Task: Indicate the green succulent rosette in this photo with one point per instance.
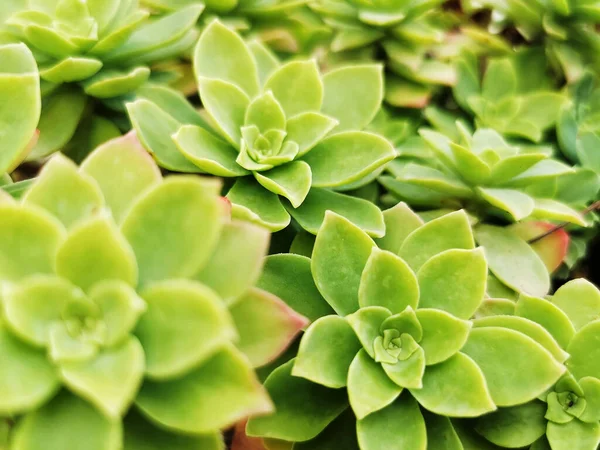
(284, 133)
(416, 40)
(128, 318)
(568, 414)
(19, 81)
(488, 176)
(514, 95)
(566, 28)
(92, 53)
(393, 353)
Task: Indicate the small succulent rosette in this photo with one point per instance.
(90, 52)
(397, 355)
(19, 80)
(284, 133)
(566, 29)
(490, 177)
(514, 96)
(128, 317)
(567, 415)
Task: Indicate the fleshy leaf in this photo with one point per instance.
(369, 387)
(27, 379)
(447, 232)
(514, 427)
(341, 245)
(180, 312)
(71, 69)
(443, 334)
(518, 204)
(114, 83)
(67, 422)
(34, 240)
(326, 351)
(142, 435)
(366, 323)
(223, 54)
(454, 281)
(591, 390)
(297, 86)
(529, 328)
(291, 180)
(110, 380)
(574, 434)
(120, 307)
(389, 282)
(407, 373)
(379, 431)
(400, 221)
(265, 113)
(112, 165)
(69, 195)
(308, 129)
(333, 437)
(362, 213)
(513, 261)
(154, 128)
(303, 408)
(289, 278)
(455, 388)
(208, 152)
(353, 95)
(547, 315)
(253, 203)
(19, 85)
(226, 104)
(580, 300)
(265, 325)
(96, 251)
(231, 276)
(584, 351)
(517, 369)
(174, 228)
(214, 395)
(31, 308)
(346, 157)
(440, 432)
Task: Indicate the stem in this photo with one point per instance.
(594, 206)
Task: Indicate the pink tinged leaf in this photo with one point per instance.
(266, 326)
(552, 249)
(243, 442)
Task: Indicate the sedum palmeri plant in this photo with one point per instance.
(128, 317)
(284, 132)
(91, 52)
(514, 96)
(485, 174)
(567, 416)
(19, 84)
(397, 355)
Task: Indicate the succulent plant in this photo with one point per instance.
(400, 337)
(278, 130)
(514, 96)
(485, 174)
(577, 129)
(566, 29)
(128, 317)
(286, 26)
(570, 411)
(19, 80)
(91, 50)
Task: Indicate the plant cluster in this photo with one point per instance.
(299, 225)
